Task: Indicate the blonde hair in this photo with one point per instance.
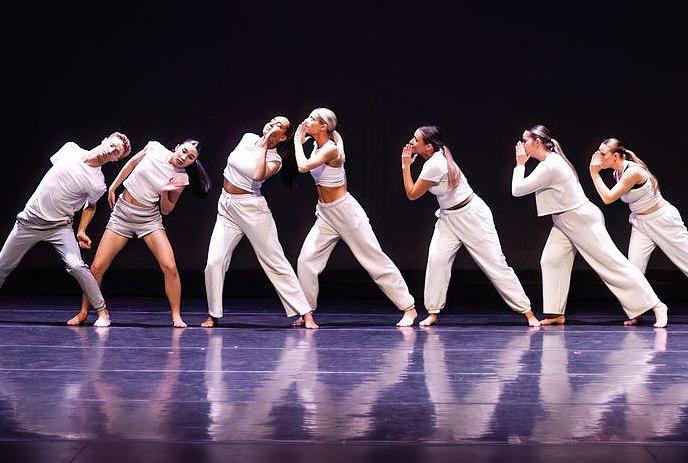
(328, 117)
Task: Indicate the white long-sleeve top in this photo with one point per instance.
(554, 183)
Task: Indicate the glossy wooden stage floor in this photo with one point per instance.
(480, 386)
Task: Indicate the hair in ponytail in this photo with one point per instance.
(328, 117)
(290, 169)
(198, 177)
(432, 135)
(541, 132)
(617, 147)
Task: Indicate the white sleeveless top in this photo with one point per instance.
(325, 175)
(641, 197)
(152, 173)
(554, 183)
(241, 163)
(435, 170)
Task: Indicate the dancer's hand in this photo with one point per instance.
(407, 156)
(521, 156)
(84, 240)
(300, 134)
(175, 184)
(596, 163)
(111, 197)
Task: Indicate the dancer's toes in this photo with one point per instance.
(431, 319)
(210, 322)
(298, 323)
(558, 320)
(309, 321)
(177, 322)
(532, 319)
(661, 315)
(78, 319)
(408, 318)
(633, 321)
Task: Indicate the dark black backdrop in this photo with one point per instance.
(482, 72)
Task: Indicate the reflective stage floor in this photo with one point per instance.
(480, 386)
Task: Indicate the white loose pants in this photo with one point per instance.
(582, 229)
(239, 215)
(663, 228)
(345, 219)
(473, 226)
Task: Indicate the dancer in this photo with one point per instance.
(655, 222)
(578, 226)
(74, 181)
(463, 218)
(243, 210)
(339, 216)
(154, 178)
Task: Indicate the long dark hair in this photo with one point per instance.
(432, 135)
(290, 169)
(542, 132)
(198, 177)
(618, 147)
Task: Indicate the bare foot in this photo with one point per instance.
(661, 316)
(558, 320)
(177, 322)
(408, 318)
(309, 321)
(431, 319)
(532, 320)
(633, 321)
(210, 322)
(298, 323)
(78, 319)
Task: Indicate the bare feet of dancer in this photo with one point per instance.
(556, 320)
(661, 316)
(177, 321)
(633, 321)
(210, 322)
(430, 320)
(532, 319)
(305, 321)
(78, 319)
(103, 320)
(408, 318)
(309, 321)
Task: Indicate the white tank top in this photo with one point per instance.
(241, 163)
(326, 175)
(641, 197)
(152, 173)
(435, 170)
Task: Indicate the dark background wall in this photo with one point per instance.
(483, 73)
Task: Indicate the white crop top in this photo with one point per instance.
(326, 175)
(554, 183)
(435, 170)
(641, 197)
(152, 173)
(241, 163)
